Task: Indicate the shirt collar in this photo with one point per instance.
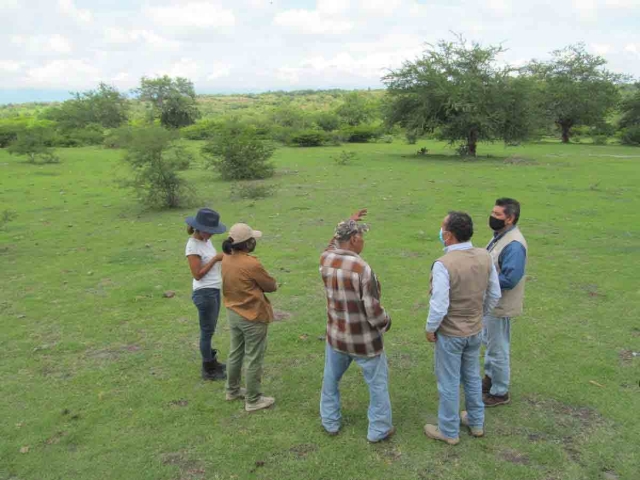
(458, 246)
(497, 235)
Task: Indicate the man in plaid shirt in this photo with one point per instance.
(356, 322)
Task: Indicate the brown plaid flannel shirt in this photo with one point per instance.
(355, 318)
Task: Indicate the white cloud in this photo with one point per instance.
(632, 48)
(379, 7)
(195, 15)
(8, 4)
(63, 73)
(10, 66)
(622, 3)
(220, 70)
(602, 48)
(311, 22)
(587, 9)
(78, 14)
(38, 44)
(59, 44)
(332, 7)
(500, 6)
(119, 36)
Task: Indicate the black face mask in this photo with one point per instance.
(496, 223)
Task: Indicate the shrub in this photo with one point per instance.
(9, 130)
(360, 133)
(252, 190)
(238, 153)
(6, 217)
(309, 138)
(201, 130)
(387, 139)
(345, 158)
(412, 137)
(631, 135)
(34, 143)
(600, 139)
(327, 121)
(156, 160)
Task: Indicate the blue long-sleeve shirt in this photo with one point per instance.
(439, 303)
(512, 261)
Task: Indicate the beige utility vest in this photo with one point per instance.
(469, 272)
(510, 304)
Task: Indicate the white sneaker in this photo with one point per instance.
(263, 402)
(237, 395)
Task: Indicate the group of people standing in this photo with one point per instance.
(475, 292)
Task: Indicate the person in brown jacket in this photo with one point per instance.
(244, 284)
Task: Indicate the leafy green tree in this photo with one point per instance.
(576, 88)
(357, 109)
(156, 160)
(238, 152)
(172, 100)
(34, 143)
(630, 109)
(105, 106)
(459, 92)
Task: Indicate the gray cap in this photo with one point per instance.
(345, 230)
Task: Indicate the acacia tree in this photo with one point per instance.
(576, 88)
(34, 142)
(105, 106)
(156, 159)
(458, 91)
(172, 100)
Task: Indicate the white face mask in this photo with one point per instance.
(441, 237)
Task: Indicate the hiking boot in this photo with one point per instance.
(495, 400)
(486, 384)
(239, 394)
(464, 421)
(330, 433)
(210, 372)
(263, 402)
(434, 432)
(388, 435)
(218, 366)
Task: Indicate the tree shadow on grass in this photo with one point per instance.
(441, 157)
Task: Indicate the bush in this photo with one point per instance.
(155, 159)
(9, 130)
(309, 138)
(34, 143)
(202, 130)
(238, 153)
(345, 158)
(282, 134)
(360, 133)
(327, 121)
(412, 137)
(6, 217)
(631, 136)
(252, 190)
(387, 139)
(92, 134)
(600, 139)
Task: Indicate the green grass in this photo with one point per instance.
(99, 375)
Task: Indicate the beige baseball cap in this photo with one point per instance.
(241, 232)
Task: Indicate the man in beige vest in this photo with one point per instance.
(464, 285)
(508, 249)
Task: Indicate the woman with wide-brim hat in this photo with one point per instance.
(245, 282)
(205, 265)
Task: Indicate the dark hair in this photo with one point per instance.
(247, 246)
(190, 230)
(511, 208)
(460, 225)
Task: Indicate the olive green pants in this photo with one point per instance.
(248, 343)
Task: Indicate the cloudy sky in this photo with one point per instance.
(49, 47)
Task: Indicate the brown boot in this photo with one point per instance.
(495, 400)
(486, 384)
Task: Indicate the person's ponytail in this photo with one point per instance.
(227, 246)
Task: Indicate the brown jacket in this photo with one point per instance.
(244, 284)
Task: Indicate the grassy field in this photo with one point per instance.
(99, 377)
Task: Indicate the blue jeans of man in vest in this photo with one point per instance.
(496, 336)
(376, 374)
(458, 361)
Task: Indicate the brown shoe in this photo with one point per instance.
(495, 400)
(464, 421)
(486, 384)
(389, 434)
(434, 432)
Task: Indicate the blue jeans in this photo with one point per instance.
(496, 336)
(376, 374)
(207, 301)
(458, 361)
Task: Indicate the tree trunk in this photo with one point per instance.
(472, 142)
(565, 127)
